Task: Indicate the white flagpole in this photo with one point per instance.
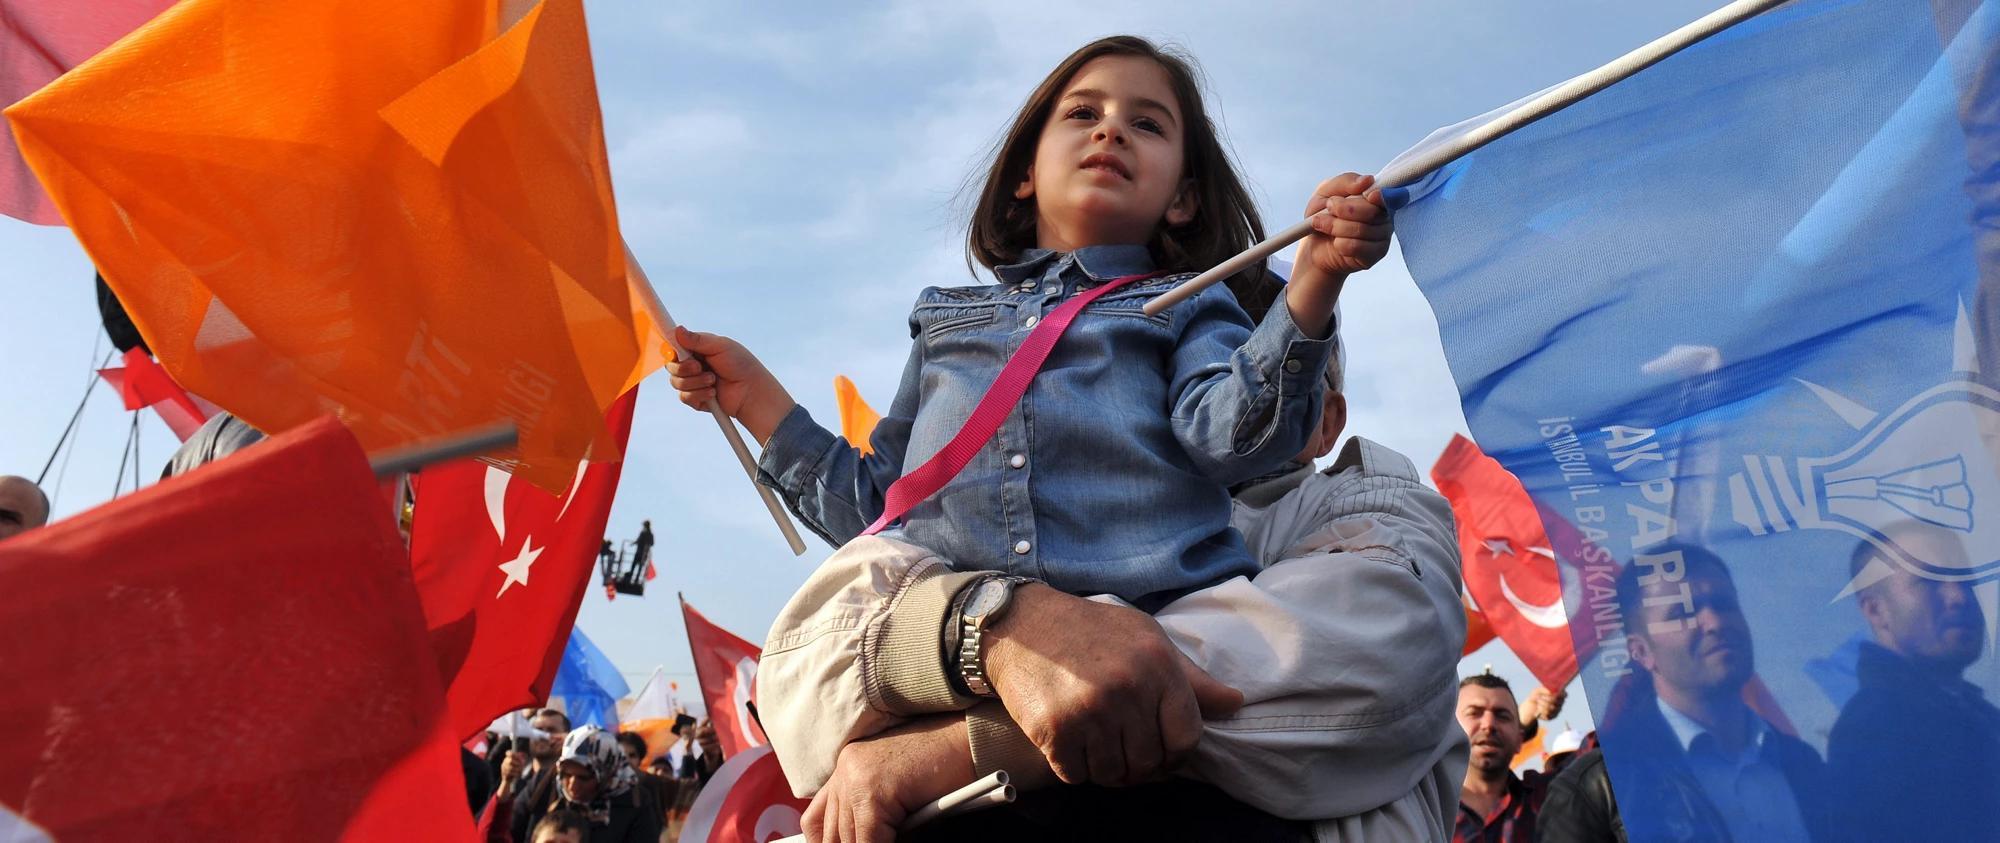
(658, 309)
(1407, 170)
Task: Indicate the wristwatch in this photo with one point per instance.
(985, 602)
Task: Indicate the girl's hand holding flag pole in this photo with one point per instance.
(668, 328)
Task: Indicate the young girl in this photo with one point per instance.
(1111, 475)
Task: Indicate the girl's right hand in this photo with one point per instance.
(721, 369)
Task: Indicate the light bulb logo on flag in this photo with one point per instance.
(1912, 485)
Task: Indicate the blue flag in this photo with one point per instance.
(1735, 324)
(588, 683)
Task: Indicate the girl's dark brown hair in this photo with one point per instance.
(1225, 220)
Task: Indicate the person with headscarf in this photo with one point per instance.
(593, 778)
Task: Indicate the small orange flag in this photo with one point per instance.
(1477, 632)
(400, 213)
(857, 419)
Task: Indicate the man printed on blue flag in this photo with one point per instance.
(1932, 774)
(1747, 302)
(1692, 758)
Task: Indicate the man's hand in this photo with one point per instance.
(1543, 704)
(1099, 688)
(510, 773)
(878, 782)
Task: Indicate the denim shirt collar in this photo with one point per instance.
(1100, 263)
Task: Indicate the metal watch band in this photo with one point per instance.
(972, 640)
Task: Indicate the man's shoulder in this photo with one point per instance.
(1369, 458)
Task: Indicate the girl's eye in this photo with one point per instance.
(1082, 112)
(1148, 124)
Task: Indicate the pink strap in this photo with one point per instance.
(1000, 398)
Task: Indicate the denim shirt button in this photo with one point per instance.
(1293, 366)
(1033, 319)
(1027, 285)
(1021, 546)
(1018, 461)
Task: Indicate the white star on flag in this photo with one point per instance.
(1499, 546)
(517, 568)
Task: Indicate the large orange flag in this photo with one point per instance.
(400, 213)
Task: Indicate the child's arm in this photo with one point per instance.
(825, 481)
(1245, 401)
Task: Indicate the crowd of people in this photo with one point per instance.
(1697, 759)
(588, 784)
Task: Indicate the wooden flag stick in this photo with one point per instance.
(658, 309)
(1408, 168)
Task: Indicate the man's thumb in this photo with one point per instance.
(1215, 699)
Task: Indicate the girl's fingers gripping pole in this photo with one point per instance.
(658, 309)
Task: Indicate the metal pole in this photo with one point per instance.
(478, 440)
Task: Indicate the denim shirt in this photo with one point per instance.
(1112, 475)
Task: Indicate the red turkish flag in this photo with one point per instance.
(502, 567)
(727, 667)
(232, 654)
(748, 801)
(1510, 569)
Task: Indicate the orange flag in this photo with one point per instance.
(1478, 633)
(857, 419)
(397, 212)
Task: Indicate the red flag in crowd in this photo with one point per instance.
(1510, 569)
(142, 383)
(748, 801)
(256, 622)
(727, 667)
(502, 567)
(39, 42)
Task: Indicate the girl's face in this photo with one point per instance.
(1108, 169)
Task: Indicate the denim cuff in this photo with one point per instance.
(793, 454)
(1283, 352)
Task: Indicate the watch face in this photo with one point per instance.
(986, 597)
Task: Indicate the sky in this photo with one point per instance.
(792, 174)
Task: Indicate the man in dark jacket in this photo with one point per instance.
(1580, 807)
(1916, 752)
(1691, 760)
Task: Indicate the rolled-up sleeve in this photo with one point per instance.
(1244, 401)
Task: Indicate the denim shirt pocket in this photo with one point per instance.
(938, 320)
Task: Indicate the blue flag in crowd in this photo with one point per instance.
(1735, 324)
(588, 683)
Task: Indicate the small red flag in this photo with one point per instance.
(727, 666)
(142, 383)
(1510, 569)
(748, 801)
(232, 654)
(502, 567)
